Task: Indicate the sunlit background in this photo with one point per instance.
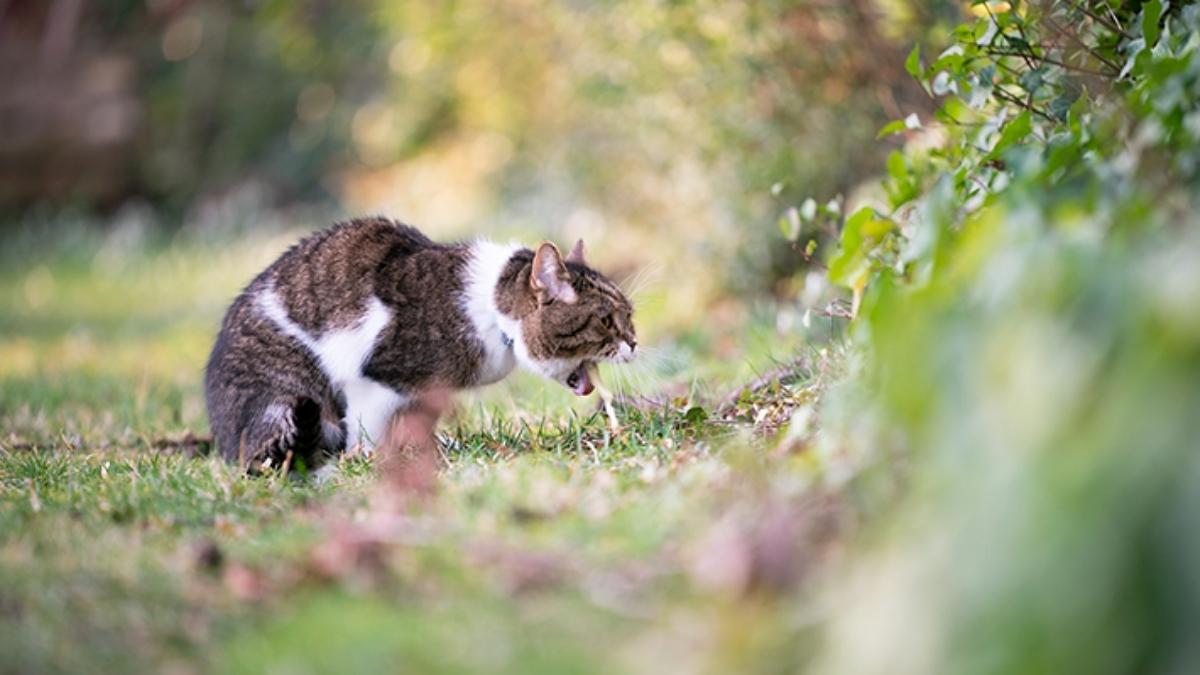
(921, 334)
(671, 137)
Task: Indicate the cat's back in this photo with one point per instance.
(340, 254)
(325, 279)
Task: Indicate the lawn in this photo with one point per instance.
(551, 544)
(943, 421)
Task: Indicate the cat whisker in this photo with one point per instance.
(645, 278)
(644, 385)
(652, 359)
(636, 280)
(638, 379)
(622, 381)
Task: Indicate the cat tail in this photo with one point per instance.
(308, 431)
(290, 434)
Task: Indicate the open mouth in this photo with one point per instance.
(579, 381)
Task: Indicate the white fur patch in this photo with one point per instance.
(488, 261)
(624, 353)
(369, 407)
(342, 353)
(269, 304)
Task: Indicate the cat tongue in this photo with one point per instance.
(583, 381)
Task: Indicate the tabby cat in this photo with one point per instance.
(351, 324)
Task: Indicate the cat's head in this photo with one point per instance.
(574, 317)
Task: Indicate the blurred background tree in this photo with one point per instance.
(634, 123)
(170, 100)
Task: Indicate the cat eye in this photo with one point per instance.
(607, 321)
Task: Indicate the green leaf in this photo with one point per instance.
(985, 32)
(950, 60)
(953, 111)
(896, 166)
(893, 127)
(896, 126)
(1031, 80)
(849, 255)
(913, 63)
(877, 227)
(1151, 12)
(1135, 48)
(1061, 105)
(1014, 132)
(852, 267)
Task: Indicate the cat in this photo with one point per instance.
(350, 325)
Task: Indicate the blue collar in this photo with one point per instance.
(508, 342)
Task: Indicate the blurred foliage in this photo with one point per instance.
(1004, 457)
(1026, 295)
(668, 120)
(248, 90)
(170, 100)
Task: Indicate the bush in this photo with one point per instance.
(1027, 302)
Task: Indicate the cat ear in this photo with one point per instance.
(576, 254)
(550, 278)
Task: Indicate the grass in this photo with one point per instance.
(551, 545)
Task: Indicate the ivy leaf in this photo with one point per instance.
(896, 166)
(896, 126)
(913, 63)
(893, 127)
(1151, 12)
(850, 253)
(1031, 80)
(877, 227)
(951, 59)
(1062, 104)
(1135, 48)
(953, 111)
(853, 267)
(985, 32)
(1014, 132)
(1018, 44)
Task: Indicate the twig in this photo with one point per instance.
(808, 258)
(1116, 28)
(1113, 15)
(1006, 96)
(1075, 38)
(799, 364)
(1024, 37)
(982, 185)
(834, 313)
(1047, 59)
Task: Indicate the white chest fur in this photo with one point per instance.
(342, 354)
(488, 261)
